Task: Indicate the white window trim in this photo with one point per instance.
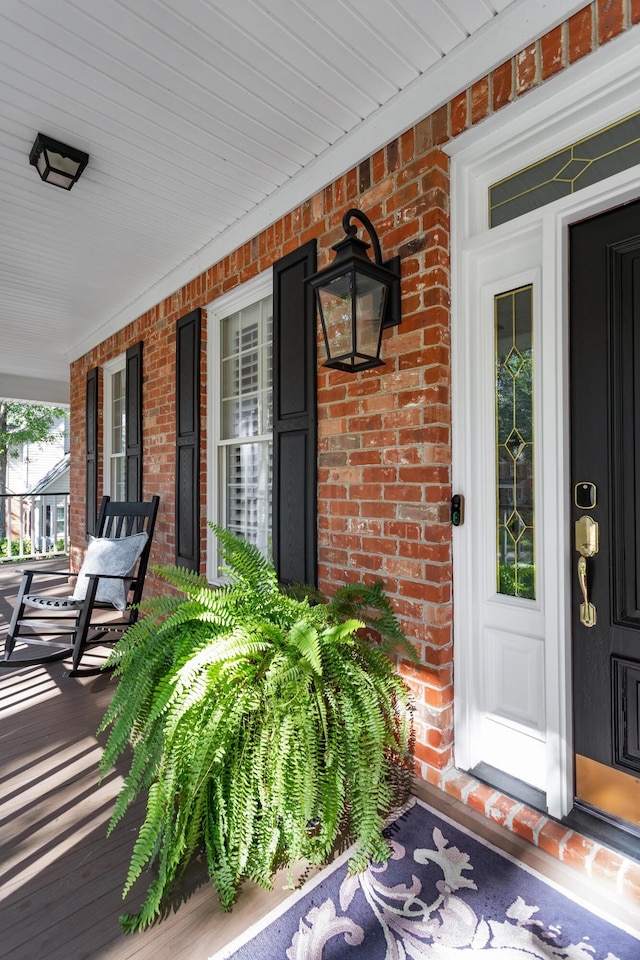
(108, 370)
(243, 296)
(581, 100)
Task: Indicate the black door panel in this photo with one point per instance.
(605, 448)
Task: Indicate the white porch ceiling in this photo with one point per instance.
(204, 120)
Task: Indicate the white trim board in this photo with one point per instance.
(582, 100)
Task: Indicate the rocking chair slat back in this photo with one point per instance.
(82, 623)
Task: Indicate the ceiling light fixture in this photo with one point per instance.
(56, 162)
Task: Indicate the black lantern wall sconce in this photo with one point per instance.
(57, 163)
(357, 298)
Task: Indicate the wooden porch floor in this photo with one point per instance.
(61, 877)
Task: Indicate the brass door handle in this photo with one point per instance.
(587, 545)
(587, 536)
(587, 609)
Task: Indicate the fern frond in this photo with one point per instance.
(249, 713)
(147, 837)
(304, 637)
(188, 581)
(352, 599)
(244, 563)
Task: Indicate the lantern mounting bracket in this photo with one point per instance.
(392, 316)
(351, 230)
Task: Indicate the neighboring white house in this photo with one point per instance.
(36, 460)
(50, 508)
(38, 487)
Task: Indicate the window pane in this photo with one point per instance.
(240, 417)
(247, 371)
(246, 411)
(118, 412)
(513, 312)
(266, 392)
(118, 480)
(248, 492)
(115, 436)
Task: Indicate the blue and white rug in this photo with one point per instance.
(444, 895)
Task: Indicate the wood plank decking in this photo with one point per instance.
(60, 876)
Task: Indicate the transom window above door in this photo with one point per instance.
(594, 158)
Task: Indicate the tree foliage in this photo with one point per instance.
(263, 726)
(26, 423)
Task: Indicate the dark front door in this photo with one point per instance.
(605, 490)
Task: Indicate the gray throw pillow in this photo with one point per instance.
(116, 557)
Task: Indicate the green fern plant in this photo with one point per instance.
(263, 726)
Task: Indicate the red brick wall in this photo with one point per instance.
(384, 436)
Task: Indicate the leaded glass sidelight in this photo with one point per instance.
(513, 312)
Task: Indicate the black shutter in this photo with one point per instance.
(91, 452)
(134, 422)
(188, 441)
(294, 418)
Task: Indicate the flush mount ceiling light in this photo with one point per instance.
(357, 298)
(56, 162)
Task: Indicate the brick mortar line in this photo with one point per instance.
(539, 827)
(562, 846)
(588, 864)
(512, 814)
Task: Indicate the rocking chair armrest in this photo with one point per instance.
(108, 576)
(47, 573)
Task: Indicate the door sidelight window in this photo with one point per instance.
(513, 313)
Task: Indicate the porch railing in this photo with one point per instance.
(33, 525)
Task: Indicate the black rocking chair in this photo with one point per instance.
(110, 580)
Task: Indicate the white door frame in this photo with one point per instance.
(581, 100)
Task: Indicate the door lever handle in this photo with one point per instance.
(587, 545)
(587, 609)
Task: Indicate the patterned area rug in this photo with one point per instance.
(444, 895)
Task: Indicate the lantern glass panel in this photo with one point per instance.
(371, 299)
(62, 165)
(59, 179)
(56, 168)
(42, 163)
(335, 301)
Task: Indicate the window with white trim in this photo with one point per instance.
(115, 423)
(241, 410)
